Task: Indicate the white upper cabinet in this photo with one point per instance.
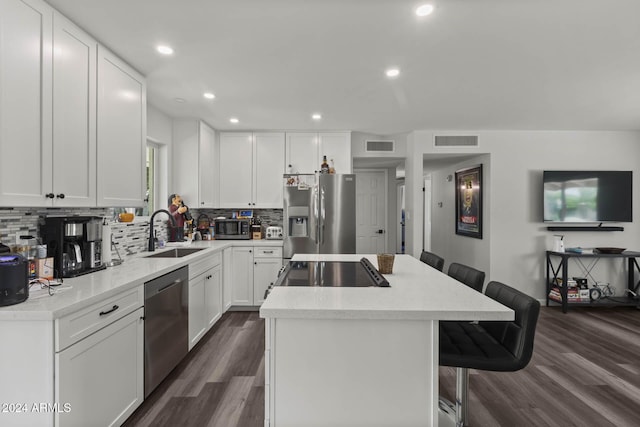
(122, 129)
(208, 183)
(74, 114)
(304, 151)
(236, 173)
(25, 103)
(195, 163)
(268, 161)
(251, 168)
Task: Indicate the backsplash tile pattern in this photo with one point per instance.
(268, 216)
(131, 238)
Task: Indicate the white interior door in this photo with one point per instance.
(371, 211)
(426, 231)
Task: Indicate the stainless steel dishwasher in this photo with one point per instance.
(166, 325)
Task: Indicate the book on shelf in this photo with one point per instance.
(573, 295)
(579, 250)
(571, 283)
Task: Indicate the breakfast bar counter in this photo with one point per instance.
(362, 356)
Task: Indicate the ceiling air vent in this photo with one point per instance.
(456, 141)
(380, 147)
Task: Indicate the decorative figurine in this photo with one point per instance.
(181, 214)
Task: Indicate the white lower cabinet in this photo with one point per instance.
(253, 269)
(265, 272)
(227, 278)
(196, 310)
(242, 276)
(100, 379)
(213, 296)
(205, 296)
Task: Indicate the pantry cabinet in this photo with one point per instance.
(252, 165)
(195, 164)
(305, 150)
(122, 130)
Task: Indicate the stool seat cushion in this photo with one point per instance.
(468, 345)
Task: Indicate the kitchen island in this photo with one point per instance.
(367, 356)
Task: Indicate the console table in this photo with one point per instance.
(560, 270)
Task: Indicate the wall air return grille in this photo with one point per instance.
(380, 147)
(456, 141)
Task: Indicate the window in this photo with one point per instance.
(152, 181)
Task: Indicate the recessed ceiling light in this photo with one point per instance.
(209, 95)
(316, 116)
(234, 120)
(392, 72)
(424, 10)
(165, 50)
(180, 100)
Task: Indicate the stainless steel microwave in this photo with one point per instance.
(232, 229)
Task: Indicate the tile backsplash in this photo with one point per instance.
(130, 238)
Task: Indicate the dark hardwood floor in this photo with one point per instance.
(585, 371)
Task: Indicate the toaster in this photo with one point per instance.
(274, 233)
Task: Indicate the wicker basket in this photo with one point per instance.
(385, 263)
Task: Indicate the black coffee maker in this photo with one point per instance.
(75, 243)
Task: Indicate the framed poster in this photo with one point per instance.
(469, 202)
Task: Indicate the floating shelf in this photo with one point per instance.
(585, 228)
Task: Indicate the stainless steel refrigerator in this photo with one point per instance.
(319, 214)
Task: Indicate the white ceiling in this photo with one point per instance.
(473, 64)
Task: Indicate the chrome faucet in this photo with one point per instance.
(152, 245)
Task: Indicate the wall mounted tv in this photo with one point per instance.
(587, 196)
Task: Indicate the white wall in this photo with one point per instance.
(159, 125)
(517, 237)
(452, 247)
(159, 130)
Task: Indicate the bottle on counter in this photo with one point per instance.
(332, 169)
(324, 167)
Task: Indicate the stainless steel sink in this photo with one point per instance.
(175, 253)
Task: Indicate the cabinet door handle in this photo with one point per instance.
(60, 196)
(103, 313)
(49, 195)
(268, 252)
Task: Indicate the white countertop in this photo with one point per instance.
(417, 292)
(94, 287)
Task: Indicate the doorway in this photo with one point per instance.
(371, 211)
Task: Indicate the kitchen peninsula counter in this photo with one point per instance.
(363, 356)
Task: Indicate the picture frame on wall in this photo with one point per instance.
(469, 214)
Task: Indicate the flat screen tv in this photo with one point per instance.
(587, 196)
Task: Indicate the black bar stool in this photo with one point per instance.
(488, 346)
(467, 275)
(432, 259)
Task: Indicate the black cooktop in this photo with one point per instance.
(331, 273)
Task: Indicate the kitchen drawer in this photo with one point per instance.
(267, 252)
(76, 326)
(196, 268)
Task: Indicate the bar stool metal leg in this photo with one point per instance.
(462, 396)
